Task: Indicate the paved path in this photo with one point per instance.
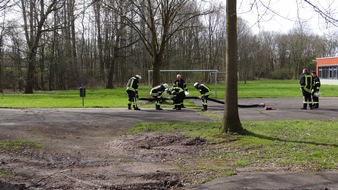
(275, 181)
(283, 109)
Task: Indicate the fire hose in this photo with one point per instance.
(211, 99)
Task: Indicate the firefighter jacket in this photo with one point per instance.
(132, 84)
(174, 91)
(203, 89)
(316, 84)
(157, 90)
(180, 83)
(306, 83)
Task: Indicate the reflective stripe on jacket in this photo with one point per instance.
(204, 90)
(306, 82)
(132, 84)
(316, 83)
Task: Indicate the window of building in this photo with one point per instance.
(326, 72)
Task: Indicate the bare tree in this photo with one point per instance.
(4, 4)
(34, 17)
(162, 20)
(1, 56)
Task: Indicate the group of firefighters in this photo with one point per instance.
(310, 85)
(177, 93)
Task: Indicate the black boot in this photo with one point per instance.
(304, 107)
(136, 108)
(129, 106)
(158, 107)
(205, 108)
(178, 107)
(182, 106)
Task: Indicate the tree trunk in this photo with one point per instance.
(231, 122)
(30, 72)
(97, 9)
(1, 62)
(110, 84)
(156, 69)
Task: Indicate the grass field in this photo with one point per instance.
(117, 98)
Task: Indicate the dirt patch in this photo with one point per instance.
(142, 161)
(89, 149)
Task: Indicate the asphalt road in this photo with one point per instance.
(282, 109)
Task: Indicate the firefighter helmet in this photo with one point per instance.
(138, 77)
(316, 94)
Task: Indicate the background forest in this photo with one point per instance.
(61, 45)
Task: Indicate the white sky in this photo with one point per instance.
(283, 15)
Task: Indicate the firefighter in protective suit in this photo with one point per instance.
(315, 90)
(306, 87)
(132, 90)
(205, 93)
(157, 92)
(179, 82)
(177, 96)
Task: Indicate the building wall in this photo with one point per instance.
(329, 81)
(327, 70)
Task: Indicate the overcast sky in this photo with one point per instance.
(283, 15)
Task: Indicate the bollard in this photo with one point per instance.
(82, 94)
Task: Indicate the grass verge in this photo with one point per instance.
(18, 146)
(268, 145)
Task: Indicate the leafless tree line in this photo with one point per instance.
(65, 44)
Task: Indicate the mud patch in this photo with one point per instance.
(9, 186)
(126, 162)
(159, 181)
(156, 146)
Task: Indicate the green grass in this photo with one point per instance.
(4, 174)
(307, 145)
(117, 98)
(18, 146)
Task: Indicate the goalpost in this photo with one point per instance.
(179, 71)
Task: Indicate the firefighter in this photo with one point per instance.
(132, 90)
(306, 87)
(157, 92)
(315, 90)
(179, 82)
(205, 93)
(177, 96)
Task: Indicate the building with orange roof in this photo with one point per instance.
(327, 70)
